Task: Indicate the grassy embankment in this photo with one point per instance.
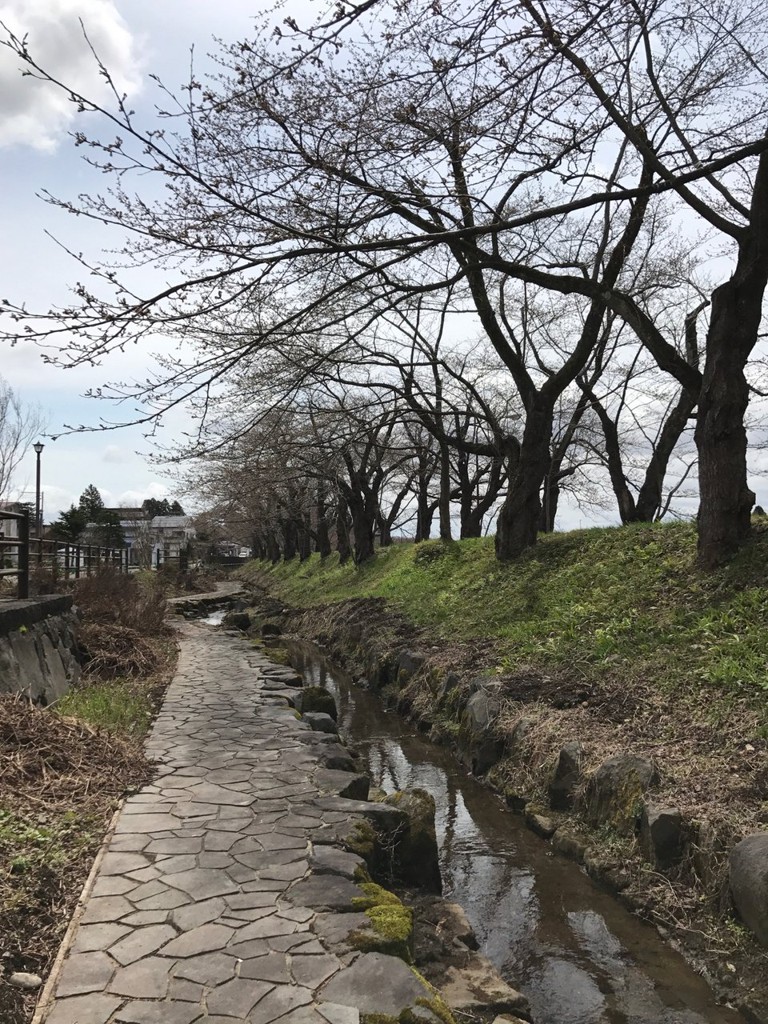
(614, 604)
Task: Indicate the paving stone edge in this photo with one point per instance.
(46, 997)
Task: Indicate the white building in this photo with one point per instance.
(154, 541)
(9, 528)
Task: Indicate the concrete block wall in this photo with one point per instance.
(37, 648)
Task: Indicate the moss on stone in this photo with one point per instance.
(391, 923)
(439, 1007)
(375, 896)
(378, 1018)
(280, 656)
(408, 1016)
(391, 931)
(361, 876)
(317, 698)
(394, 927)
(362, 840)
(435, 1003)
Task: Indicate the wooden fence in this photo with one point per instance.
(62, 559)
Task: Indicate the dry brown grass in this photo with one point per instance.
(109, 597)
(46, 757)
(109, 651)
(62, 778)
(60, 782)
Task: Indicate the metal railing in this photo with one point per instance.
(15, 551)
(62, 559)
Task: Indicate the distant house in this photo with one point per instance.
(9, 528)
(232, 549)
(9, 533)
(157, 539)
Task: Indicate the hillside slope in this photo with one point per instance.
(611, 605)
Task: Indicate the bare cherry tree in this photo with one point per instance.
(470, 150)
(19, 424)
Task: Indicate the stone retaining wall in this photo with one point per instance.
(37, 648)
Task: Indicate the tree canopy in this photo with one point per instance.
(548, 180)
(161, 507)
(19, 424)
(90, 522)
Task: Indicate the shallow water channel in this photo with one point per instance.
(577, 954)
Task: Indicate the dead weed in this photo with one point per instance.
(60, 782)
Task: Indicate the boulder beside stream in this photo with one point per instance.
(479, 742)
(237, 620)
(317, 698)
(614, 793)
(566, 776)
(748, 872)
(661, 835)
(416, 854)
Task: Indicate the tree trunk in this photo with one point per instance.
(304, 535)
(385, 532)
(322, 533)
(273, 547)
(550, 503)
(342, 530)
(472, 524)
(424, 511)
(289, 539)
(473, 514)
(323, 538)
(445, 493)
(518, 522)
(363, 530)
(649, 496)
(721, 439)
(624, 497)
(468, 524)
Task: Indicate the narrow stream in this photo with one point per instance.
(577, 954)
(215, 617)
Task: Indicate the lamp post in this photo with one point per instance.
(38, 525)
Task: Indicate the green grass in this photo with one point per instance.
(25, 846)
(625, 601)
(122, 706)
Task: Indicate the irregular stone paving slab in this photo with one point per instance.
(211, 903)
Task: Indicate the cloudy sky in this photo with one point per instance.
(134, 38)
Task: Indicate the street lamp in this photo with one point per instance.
(38, 525)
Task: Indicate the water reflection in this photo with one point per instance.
(578, 956)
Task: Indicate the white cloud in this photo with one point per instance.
(114, 453)
(154, 489)
(36, 114)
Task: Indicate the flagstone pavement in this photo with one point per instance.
(225, 895)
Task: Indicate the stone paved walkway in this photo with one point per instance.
(225, 895)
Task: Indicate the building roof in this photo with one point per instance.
(128, 514)
(171, 522)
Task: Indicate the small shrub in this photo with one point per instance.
(112, 598)
(43, 581)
